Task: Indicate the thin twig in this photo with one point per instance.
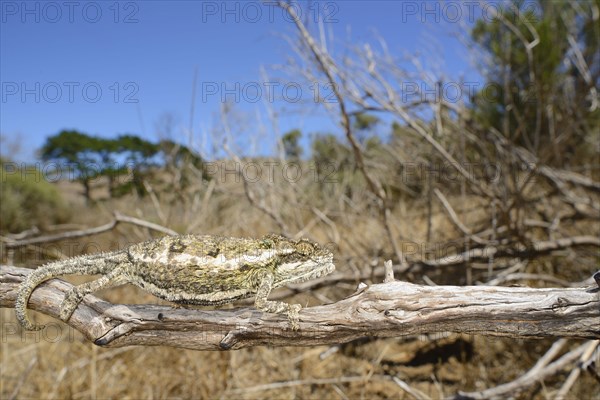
(531, 277)
(273, 214)
(23, 378)
(517, 250)
(456, 220)
(328, 67)
(417, 394)
(118, 218)
(303, 382)
(536, 374)
(587, 354)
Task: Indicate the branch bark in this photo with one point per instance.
(385, 310)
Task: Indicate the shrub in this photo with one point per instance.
(27, 199)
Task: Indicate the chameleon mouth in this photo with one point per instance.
(327, 268)
(302, 271)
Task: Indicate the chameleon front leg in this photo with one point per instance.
(277, 307)
(77, 293)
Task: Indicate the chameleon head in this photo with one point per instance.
(298, 260)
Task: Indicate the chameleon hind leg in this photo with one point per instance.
(77, 293)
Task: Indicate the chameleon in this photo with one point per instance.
(191, 270)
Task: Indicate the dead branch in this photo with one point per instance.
(381, 272)
(537, 373)
(417, 394)
(272, 213)
(587, 355)
(327, 66)
(304, 382)
(384, 310)
(517, 250)
(118, 218)
(532, 277)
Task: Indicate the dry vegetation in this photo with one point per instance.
(373, 201)
(63, 364)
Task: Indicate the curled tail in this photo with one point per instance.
(84, 265)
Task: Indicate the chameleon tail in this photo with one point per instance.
(88, 265)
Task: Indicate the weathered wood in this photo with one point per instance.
(384, 310)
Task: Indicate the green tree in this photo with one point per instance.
(137, 150)
(332, 158)
(539, 89)
(107, 151)
(185, 164)
(178, 155)
(76, 152)
(291, 144)
(365, 121)
(363, 125)
(28, 200)
(89, 157)
(139, 155)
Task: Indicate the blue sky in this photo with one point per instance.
(106, 68)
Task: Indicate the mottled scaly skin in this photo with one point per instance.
(192, 269)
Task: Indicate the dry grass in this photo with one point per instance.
(58, 363)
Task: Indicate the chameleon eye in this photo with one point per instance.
(305, 248)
